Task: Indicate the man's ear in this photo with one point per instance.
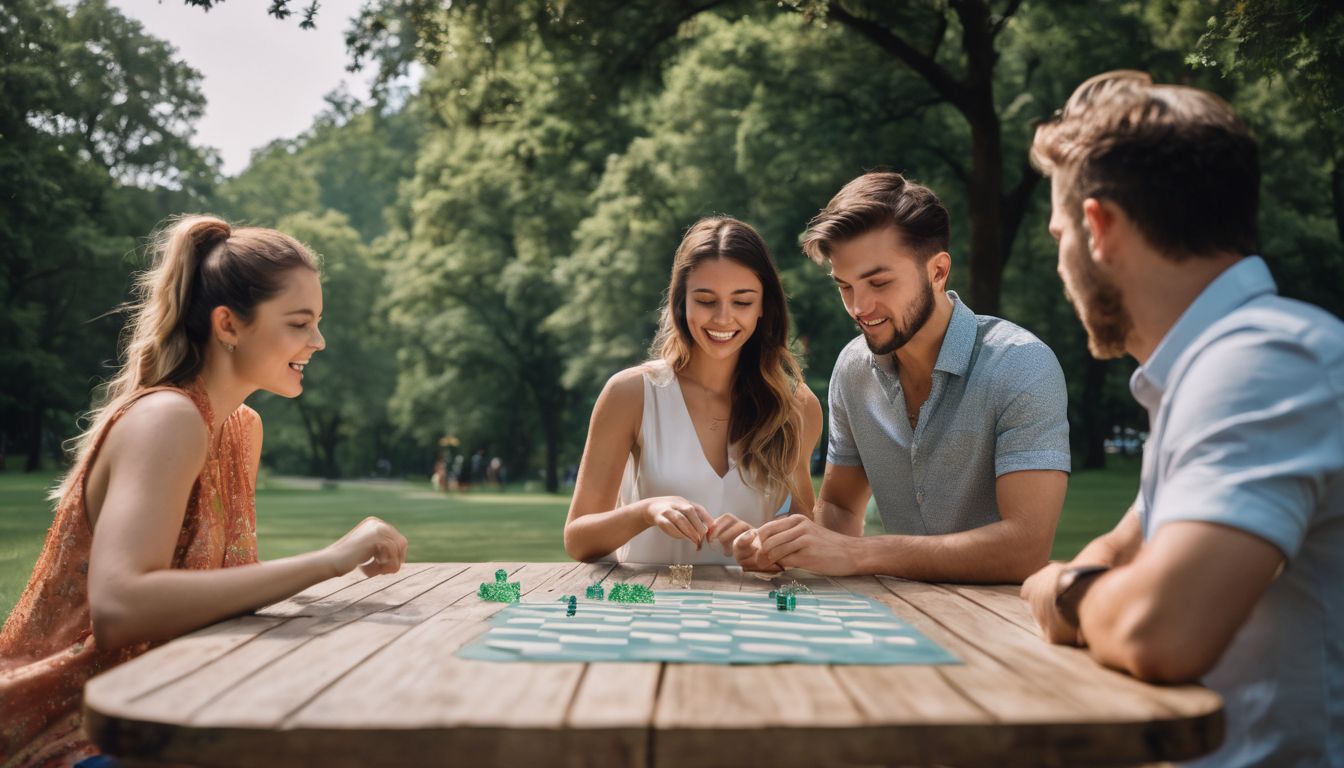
(1100, 219)
(225, 325)
(939, 269)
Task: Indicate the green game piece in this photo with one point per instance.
(630, 593)
(501, 576)
(500, 591)
(781, 601)
(773, 593)
(793, 602)
(573, 606)
(594, 592)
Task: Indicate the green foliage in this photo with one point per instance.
(1301, 41)
(351, 160)
(95, 127)
(761, 119)
(503, 175)
(1289, 56)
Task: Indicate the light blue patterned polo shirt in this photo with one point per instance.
(998, 405)
(1246, 397)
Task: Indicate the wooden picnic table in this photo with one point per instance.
(362, 672)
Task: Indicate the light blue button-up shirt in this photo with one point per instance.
(998, 404)
(1246, 398)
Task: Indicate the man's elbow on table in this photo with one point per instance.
(1146, 642)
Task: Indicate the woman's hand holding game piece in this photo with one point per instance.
(680, 519)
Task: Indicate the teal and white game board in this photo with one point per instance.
(708, 627)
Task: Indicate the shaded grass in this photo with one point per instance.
(298, 516)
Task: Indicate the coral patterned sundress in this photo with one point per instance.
(47, 648)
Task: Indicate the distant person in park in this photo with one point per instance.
(955, 422)
(709, 439)
(155, 526)
(1229, 567)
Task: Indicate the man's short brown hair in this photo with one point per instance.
(875, 200)
(1176, 159)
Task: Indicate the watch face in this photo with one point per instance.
(1073, 584)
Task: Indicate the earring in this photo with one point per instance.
(228, 346)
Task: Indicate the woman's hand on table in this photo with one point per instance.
(373, 546)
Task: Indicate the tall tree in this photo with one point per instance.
(500, 185)
(95, 122)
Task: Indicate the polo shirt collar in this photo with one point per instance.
(959, 341)
(1237, 285)
(954, 356)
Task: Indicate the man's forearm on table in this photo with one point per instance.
(838, 518)
(997, 553)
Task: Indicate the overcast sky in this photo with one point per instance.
(263, 78)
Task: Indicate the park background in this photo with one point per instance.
(497, 217)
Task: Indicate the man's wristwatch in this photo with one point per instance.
(1072, 585)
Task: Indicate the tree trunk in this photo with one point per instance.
(984, 192)
(331, 439)
(34, 462)
(1093, 412)
(1337, 195)
(550, 425)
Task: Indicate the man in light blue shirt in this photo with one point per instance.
(955, 422)
(1229, 568)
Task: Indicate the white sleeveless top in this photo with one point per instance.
(671, 462)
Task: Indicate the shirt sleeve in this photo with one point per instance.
(1032, 430)
(1251, 439)
(841, 450)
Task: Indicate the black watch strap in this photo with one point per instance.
(1072, 585)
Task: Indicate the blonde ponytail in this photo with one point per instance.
(198, 263)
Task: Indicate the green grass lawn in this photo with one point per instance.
(295, 517)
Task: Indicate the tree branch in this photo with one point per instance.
(937, 76)
(1015, 207)
(952, 162)
(1003, 18)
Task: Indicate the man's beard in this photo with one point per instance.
(1099, 305)
(915, 318)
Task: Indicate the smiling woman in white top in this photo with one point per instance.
(711, 438)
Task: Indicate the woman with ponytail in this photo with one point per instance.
(712, 437)
(155, 528)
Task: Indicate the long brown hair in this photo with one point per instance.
(767, 374)
(199, 263)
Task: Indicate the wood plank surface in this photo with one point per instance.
(714, 715)
(364, 672)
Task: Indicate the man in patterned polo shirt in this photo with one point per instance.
(954, 421)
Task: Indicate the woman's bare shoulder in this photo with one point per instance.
(166, 424)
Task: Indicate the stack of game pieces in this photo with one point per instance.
(786, 597)
(681, 575)
(630, 593)
(594, 592)
(572, 606)
(501, 590)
